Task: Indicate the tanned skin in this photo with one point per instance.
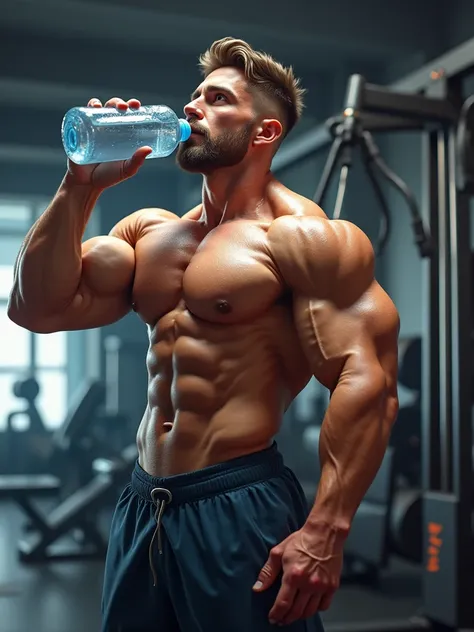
(245, 298)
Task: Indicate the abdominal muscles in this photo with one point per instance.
(217, 391)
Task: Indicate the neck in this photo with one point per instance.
(234, 192)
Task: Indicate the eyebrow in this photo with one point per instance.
(213, 88)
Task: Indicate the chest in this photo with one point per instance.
(226, 275)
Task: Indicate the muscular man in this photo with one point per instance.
(245, 298)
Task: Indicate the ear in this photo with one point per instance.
(268, 131)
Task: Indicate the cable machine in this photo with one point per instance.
(432, 102)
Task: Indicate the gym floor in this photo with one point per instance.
(65, 596)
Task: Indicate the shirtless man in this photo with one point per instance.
(245, 298)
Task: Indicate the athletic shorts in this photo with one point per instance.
(185, 550)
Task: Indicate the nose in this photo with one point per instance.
(192, 111)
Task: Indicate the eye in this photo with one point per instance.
(219, 94)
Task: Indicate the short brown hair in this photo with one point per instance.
(261, 71)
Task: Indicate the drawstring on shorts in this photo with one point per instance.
(160, 508)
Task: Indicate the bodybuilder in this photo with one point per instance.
(245, 297)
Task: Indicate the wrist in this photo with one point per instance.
(328, 528)
(85, 195)
(71, 183)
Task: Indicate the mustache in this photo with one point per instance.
(197, 129)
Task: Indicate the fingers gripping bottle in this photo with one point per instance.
(92, 135)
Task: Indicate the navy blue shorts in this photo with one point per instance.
(185, 550)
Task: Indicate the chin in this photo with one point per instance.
(206, 159)
(190, 167)
(189, 162)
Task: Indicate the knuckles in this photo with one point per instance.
(299, 577)
(296, 576)
(114, 102)
(275, 553)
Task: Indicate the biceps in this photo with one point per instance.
(88, 311)
(104, 292)
(108, 266)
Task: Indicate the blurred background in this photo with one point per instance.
(71, 402)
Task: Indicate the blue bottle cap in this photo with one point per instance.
(185, 128)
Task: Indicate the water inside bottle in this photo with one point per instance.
(105, 135)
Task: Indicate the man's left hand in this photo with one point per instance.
(311, 576)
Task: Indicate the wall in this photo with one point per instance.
(459, 22)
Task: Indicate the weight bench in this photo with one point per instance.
(24, 488)
(77, 512)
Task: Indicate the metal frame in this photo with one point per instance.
(453, 65)
(433, 107)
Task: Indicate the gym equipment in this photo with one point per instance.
(367, 545)
(71, 461)
(348, 131)
(69, 451)
(27, 448)
(73, 444)
(89, 468)
(85, 404)
(387, 522)
(409, 362)
(28, 389)
(78, 512)
(405, 525)
(433, 98)
(406, 432)
(93, 428)
(86, 434)
(465, 147)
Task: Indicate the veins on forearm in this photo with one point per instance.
(352, 443)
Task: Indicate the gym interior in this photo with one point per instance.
(384, 142)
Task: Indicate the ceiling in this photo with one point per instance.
(59, 53)
(301, 31)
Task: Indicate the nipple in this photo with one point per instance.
(223, 307)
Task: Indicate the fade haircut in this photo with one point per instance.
(266, 76)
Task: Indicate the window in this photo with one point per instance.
(22, 352)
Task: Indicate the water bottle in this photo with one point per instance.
(91, 135)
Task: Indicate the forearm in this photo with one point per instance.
(48, 267)
(352, 444)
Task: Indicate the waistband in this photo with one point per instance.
(212, 480)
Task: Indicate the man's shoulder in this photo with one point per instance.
(308, 246)
(314, 229)
(194, 213)
(288, 203)
(139, 223)
(152, 215)
(296, 215)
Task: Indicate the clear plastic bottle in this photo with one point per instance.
(91, 135)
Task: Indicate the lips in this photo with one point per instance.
(196, 130)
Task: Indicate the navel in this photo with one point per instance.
(223, 307)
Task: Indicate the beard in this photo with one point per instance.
(226, 150)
